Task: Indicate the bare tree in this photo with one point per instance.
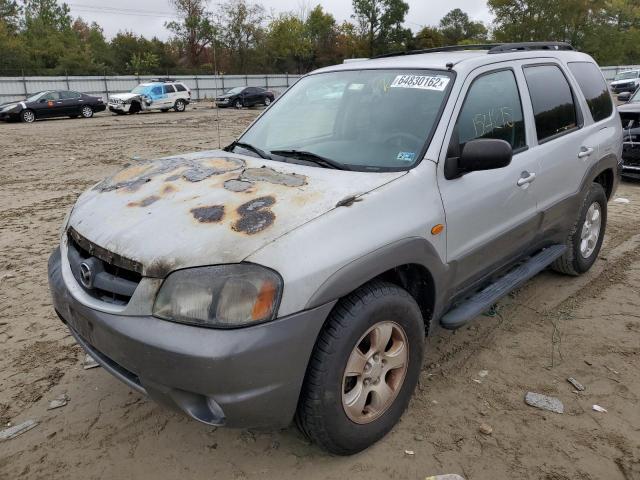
(194, 30)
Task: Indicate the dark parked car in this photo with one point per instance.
(245, 97)
(630, 115)
(52, 103)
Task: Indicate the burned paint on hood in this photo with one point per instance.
(209, 208)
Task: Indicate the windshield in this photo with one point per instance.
(140, 89)
(35, 97)
(235, 91)
(635, 98)
(626, 76)
(362, 120)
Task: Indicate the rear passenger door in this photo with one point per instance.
(491, 215)
(170, 93)
(567, 143)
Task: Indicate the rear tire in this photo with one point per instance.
(583, 247)
(180, 106)
(27, 116)
(329, 411)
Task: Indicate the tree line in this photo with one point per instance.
(40, 37)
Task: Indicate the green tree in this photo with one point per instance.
(241, 28)
(380, 22)
(456, 28)
(322, 32)
(429, 37)
(10, 14)
(144, 63)
(195, 31)
(289, 43)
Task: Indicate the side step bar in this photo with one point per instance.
(483, 300)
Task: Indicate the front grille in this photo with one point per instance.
(105, 276)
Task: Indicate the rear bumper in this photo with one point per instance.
(99, 108)
(249, 377)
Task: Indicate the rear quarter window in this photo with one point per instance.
(553, 103)
(594, 88)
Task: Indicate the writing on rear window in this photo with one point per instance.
(424, 82)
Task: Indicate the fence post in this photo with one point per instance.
(24, 84)
(198, 87)
(222, 78)
(246, 80)
(287, 74)
(66, 72)
(106, 84)
(266, 82)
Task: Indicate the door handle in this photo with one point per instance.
(585, 152)
(526, 179)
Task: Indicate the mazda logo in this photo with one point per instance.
(86, 275)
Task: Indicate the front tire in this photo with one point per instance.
(27, 116)
(86, 112)
(267, 101)
(585, 240)
(237, 104)
(363, 370)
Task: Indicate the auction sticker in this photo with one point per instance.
(423, 82)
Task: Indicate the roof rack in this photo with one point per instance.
(489, 47)
(163, 80)
(526, 46)
(449, 48)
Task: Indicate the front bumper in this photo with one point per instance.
(248, 377)
(10, 115)
(631, 160)
(628, 87)
(119, 107)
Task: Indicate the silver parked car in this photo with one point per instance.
(296, 273)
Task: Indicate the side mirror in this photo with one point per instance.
(624, 97)
(478, 155)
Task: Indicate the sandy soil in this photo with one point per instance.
(553, 328)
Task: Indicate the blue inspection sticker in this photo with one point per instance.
(406, 156)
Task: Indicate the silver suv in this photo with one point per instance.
(296, 273)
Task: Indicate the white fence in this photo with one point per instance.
(611, 72)
(202, 86)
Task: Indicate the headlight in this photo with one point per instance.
(224, 296)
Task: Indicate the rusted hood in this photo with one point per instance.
(209, 208)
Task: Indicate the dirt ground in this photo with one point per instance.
(553, 328)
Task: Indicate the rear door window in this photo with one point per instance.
(594, 88)
(554, 106)
(492, 109)
(168, 89)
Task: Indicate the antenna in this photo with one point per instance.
(215, 79)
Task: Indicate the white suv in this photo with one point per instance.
(626, 81)
(160, 94)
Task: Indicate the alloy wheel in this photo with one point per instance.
(375, 372)
(591, 230)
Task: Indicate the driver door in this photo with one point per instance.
(491, 215)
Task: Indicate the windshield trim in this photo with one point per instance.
(429, 138)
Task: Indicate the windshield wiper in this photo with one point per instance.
(311, 157)
(251, 148)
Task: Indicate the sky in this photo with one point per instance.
(147, 17)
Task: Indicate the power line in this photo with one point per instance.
(121, 11)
